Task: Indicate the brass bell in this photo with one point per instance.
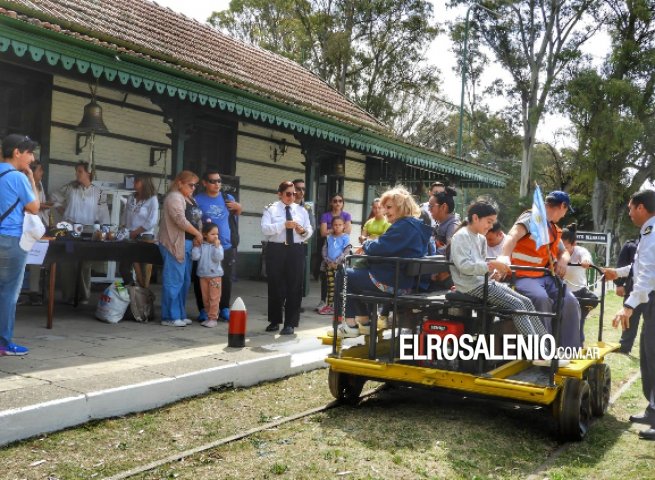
(92, 120)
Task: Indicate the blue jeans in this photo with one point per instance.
(359, 281)
(12, 269)
(543, 293)
(176, 279)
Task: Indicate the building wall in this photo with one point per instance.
(136, 124)
(261, 172)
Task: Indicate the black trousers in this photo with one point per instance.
(647, 350)
(629, 335)
(285, 266)
(229, 258)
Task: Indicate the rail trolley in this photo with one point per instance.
(575, 392)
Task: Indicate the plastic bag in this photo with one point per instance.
(113, 303)
(142, 303)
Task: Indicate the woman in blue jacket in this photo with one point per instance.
(407, 237)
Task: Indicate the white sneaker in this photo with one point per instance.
(346, 331)
(187, 321)
(173, 323)
(563, 362)
(320, 305)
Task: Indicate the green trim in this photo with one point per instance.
(59, 49)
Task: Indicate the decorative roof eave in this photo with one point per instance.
(101, 61)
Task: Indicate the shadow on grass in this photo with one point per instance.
(473, 435)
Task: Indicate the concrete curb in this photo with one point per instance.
(45, 417)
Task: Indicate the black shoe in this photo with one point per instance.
(287, 331)
(624, 349)
(647, 434)
(273, 327)
(646, 418)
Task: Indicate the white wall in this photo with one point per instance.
(126, 154)
(124, 120)
(268, 174)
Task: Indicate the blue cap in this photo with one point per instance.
(560, 197)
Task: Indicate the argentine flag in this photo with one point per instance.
(538, 220)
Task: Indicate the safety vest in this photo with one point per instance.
(526, 253)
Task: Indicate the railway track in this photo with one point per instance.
(232, 438)
(537, 473)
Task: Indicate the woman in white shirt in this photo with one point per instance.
(576, 277)
(140, 217)
(80, 201)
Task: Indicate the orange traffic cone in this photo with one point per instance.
(236, 332)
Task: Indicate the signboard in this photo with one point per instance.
(598, 238)
(38, 252)
(592, 237)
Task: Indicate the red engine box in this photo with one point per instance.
(442, 328)
(438, 327)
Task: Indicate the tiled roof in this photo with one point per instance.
(143, 28)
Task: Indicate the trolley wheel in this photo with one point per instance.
(574, 409)
(344, 387)
(599, 377)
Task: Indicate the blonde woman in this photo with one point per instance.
(407, 237)
(178, 233)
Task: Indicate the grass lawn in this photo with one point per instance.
(394, 434)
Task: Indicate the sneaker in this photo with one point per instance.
(173, 323)
(225, 314)
(209, 323)
(326, 310)
(563, 362)
(202, 316)
(320, 305)
(13, 350)
(364, 328)
(187, 321)
(346, 331)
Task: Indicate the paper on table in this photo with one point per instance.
(38, 252)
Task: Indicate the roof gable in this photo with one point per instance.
(148, 29)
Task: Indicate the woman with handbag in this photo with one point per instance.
(18, 194)
(178, 233)
(140, 217)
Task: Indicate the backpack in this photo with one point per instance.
(10, 209)
(233, 223)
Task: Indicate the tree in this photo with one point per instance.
(612, 110)
(534, 40)
(373, 51)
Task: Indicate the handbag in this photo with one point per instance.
(33, 230)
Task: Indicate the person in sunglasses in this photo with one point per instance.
(337, 203)
(285, 226)
(179, 232)
(217, 207)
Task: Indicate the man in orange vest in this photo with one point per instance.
(541, 288)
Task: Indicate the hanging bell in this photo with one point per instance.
(92, 120)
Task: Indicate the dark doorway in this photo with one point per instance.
(26, 105)
(211, 145)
